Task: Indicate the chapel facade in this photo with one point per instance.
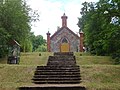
(64, 39)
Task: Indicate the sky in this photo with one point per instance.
(50, 12)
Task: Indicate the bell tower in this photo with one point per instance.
(64, 20)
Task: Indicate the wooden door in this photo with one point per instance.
(65, 47)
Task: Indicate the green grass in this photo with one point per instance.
(87, 59)
(101, 77)
(97, 72)
(34, 58)
(13, 76)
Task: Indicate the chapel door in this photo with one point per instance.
(65, 47)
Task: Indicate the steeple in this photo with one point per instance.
(64, 20)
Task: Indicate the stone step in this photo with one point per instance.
(63, 64)
(56, 78)
(60, 66)
(57, 64)
(57, 82)
(59, 70)
(64, 53)
(52, 87)
(52, 76)
(62, 61)
(57, 73)
(67, 66)
(62, 58)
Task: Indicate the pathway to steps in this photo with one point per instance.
(60, 73)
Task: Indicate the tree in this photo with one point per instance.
(102, 34)
(41, 48)
(15, 23)
(38, 42)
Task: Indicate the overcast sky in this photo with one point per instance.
(50, 12)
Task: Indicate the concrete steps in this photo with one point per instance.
(58, 70)
(57, 67)
(56, 73)
(57, 82)
(56, 76)
(64, 53)
(54, 87)
(61, 69)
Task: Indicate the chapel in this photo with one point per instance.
(64, 39)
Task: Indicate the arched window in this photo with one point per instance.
(64, 40)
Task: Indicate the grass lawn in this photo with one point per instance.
(97, 72)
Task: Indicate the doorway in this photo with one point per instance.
(65, 46)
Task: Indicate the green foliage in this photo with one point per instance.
(41, 48)
(34, 43)
(101, 24)
(3, 40)
(116, 56)
(3, 51)
(15, 19)
(39, 44)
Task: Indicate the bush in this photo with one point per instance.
(41, 48)
(116, 57)
(3, 51)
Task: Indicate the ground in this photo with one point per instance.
(97, 72)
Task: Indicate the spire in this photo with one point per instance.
(64, 20)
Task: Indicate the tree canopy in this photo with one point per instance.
(38, 43)
(15, 24)
(101, 24)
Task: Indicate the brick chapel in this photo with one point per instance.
(64, 39)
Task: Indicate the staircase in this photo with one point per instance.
(61, 70)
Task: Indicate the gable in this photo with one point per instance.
(63, 32)
(64, 36)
